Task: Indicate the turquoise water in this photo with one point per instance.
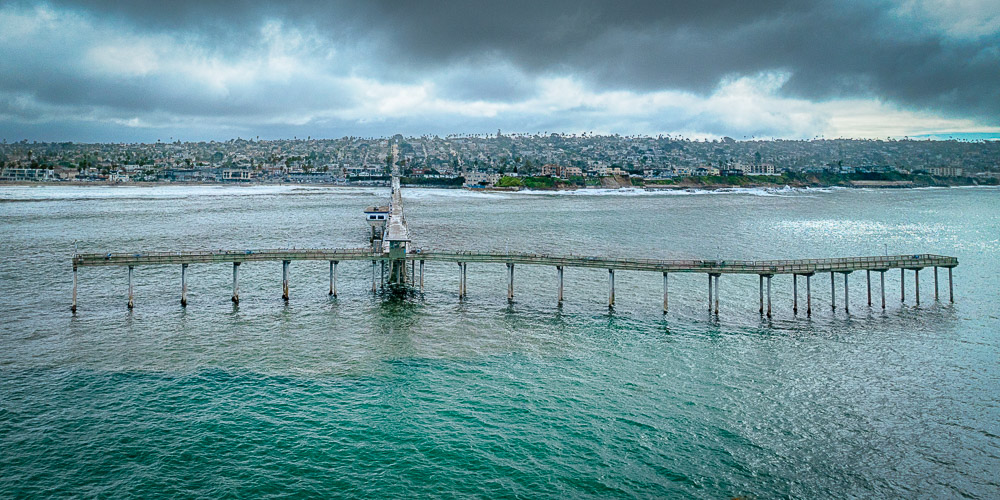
(370, 396)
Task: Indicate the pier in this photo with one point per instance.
(394, 263)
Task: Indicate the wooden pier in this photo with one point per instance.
(392, 251)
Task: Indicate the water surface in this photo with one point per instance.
(368, 396)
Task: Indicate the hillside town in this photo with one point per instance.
(489, 160)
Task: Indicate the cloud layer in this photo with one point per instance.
(141, 70)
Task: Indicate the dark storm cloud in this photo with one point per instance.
(832, 49)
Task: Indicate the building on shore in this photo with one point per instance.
(26, 174)
(945, 171)
(477, 178)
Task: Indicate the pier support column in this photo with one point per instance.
(184, 286)
(373, 277)
(421, 276)
(284, 279)
(847, 294)
(916, 284)
(709, 293)
(761, 294)
(461, 280)
(131, 302)
(510, 282)
(236, 283)
(868, 278)
(951, 288)
(882, 287)
(717, 294)
(809, 296)
(666, 284)
(559, 299)
(72, 308)
(381, 282)
(333, 278)
(611, 288)
(413, 272)
(902, 286)
(935, 284)
(769, 296)
(833, 292)
(795, 294)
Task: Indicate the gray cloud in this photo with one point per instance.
(490, 51)
(832, 48)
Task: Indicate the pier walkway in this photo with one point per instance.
(773, 267)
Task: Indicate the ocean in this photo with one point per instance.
(373, 395)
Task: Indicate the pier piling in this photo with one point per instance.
(916, 285)
(333, 278)
(847, 294)
(236, 283)
(882, 287)
(421, 276)
(284, 279)
(951, 288)
(809, 297)
(510, 282)
(710, 293)
(716, 276)
(559, 297)
(769, 295)
(611, 288)
(373, 277)
(184, 287)
(72, 308)
(833, 292)
(131, 302)
(665, 288)
(868, 278)
(795, 294)
(902, 285)
(935, 283)
(761, 276)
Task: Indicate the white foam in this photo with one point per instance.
(166, 191)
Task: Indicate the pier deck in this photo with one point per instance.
(794, 266)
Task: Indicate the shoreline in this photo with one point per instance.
(644, 187)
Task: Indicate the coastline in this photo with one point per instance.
(681, 186)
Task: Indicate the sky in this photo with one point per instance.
(190, 70)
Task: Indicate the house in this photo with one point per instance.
(945, 171)
(477, 178)
(235, 175)
(26, 174)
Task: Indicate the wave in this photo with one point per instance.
(752, 191)
(429, 193)
(168, 191)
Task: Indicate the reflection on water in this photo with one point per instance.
(389, 396)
